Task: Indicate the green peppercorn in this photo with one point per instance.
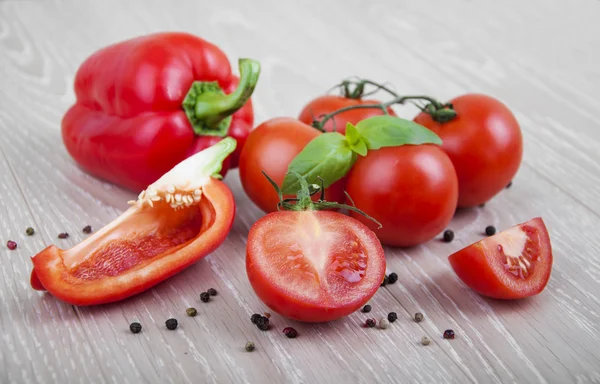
(191, 312)
(418, 317)
(135, 327)
(212, 291)
(171, 324)
(250, 346)
(29, 231)
(205, 297)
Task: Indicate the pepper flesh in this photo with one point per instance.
(150, 242)
(129, 126)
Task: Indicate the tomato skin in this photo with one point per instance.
(484, 143)
(271, 147)
(330, 103)
(287, 303)
(474, 265)
(411, 190)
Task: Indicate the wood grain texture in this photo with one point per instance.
(539, 57)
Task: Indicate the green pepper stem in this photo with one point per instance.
(213, 108)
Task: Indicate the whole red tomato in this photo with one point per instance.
(330, 103)
(411, 190)
(271, 147)
(484, 143)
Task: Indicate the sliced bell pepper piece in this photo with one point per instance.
(176, 221)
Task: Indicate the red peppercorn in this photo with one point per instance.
(290, 332)
(11, 245)
(448, 334)
(370, 323)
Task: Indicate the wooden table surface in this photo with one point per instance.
(539, 57)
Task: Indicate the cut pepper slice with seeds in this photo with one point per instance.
(176, 221)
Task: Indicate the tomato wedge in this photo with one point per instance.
(313, 266)
(177, 220)
(512, 264)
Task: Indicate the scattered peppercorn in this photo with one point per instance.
(263, 327)
(509, 184)
(490, 230)
(135, 327)
(262, 320)
(212, 291)
(267, 315)
(250, 346)
(418, 317)
(29, 231)
(448, 235)
(171, 324)
(11, 245)
(254, 318)
(384, 323)
(87, 229)
(481, 205)
(370, 323)
(385, 281)
(392, 278)
(367, 308)
(63, 235)
(191, 312)
(205, 297)
(425, 340)
(448, 334)
(290, 332)
(392, 316)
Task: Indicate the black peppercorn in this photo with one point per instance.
(366, 308)
(290, 332)
(171, 324)
(135, 327)
(254, 318)
(205, 297)
(87, 229)
(448, 235)
(490, 230)
(191, 312)
(212, 291)
(448, 334)
(392, 316)
(263, 326)
(63, 235)
(392, 278)
(509, 184)
(29, 231)
(481, 205)
(250, 346)
(262, 320)
(385, 281)
(418, 317)
(370, 323)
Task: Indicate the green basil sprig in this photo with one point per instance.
(332, 155)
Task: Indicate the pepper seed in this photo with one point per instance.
(418, 317)
(29, 231)
(250, 346)
(191, 312)
(171, 324)
(63, 235)
(87, 229)
(425, 340)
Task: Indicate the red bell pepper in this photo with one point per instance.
(176, 221)
(145, 104)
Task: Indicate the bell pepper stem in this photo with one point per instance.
(209, 109)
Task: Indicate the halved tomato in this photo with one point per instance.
(313, 266)
(512, 264)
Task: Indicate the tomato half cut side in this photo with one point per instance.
(512, 264)
(313, 266)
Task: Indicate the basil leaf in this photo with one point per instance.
(355, 141)
(391, 131)
(328, 156)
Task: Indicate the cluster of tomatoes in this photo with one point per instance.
(318, 266)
